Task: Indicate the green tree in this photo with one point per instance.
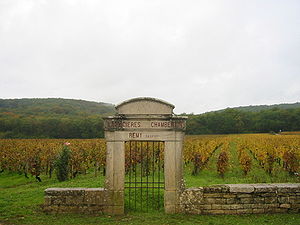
(62, 163)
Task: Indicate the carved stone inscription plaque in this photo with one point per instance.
(125, 124)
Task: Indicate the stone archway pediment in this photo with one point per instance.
(147, 114)
(145, 106)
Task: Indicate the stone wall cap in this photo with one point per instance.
(264, 187)
(216, 188)
(287, 185)
(65, 189)
(95, 189)
(241, 188)
(194, 189)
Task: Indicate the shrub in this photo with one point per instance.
(245, 161)
(291, 163)
(62, 164)
(197, 162)
(270, 163)
(222, 163)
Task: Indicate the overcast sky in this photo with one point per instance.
(198, 55)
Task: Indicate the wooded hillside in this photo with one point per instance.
(68, 118)
(258, 108)
(231, 121)
(52, 118)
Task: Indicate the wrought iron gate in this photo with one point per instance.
(144, 180)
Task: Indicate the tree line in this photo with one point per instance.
(69, 118)
(228, 121)
(51, 127)
(52, 118)
(231, 121)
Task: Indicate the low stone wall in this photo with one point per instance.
(216, 199)
(76, 200)
(241, 199)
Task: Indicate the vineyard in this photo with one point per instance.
(216, 155)
(38, 156)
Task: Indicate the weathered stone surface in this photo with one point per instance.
(236, 206)
(280, 210)
(213, 195)
(270, 200)
(246, 200)
(287, 206)
(258, 211)
(47, 200)
(75, 200)
(258, 188)
(238, 195)
(260, 205)
(145, 106)
(229, 195)
(216, 206)
(295, 206)
(170, 197)
(265, 198)
(258, 200)
(273, 205)
(205, 206)
(64, 191)
(248, 206)
(231, 200)
(231, 211)
(226, 207)
(192, 196)
(214, 212)
(268, 194)
(115, 198)
(244, 211)
(293, 200)
(214, 201)
(295, 210)
(95, 196)
(283, 199)
(287, 187)
(58, 200)
(270, 210)
(216, 189)
(241, 188)
(171, 208)
(118, 210)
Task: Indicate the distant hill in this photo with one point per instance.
(249, 119)
(258, 108)
(52, 118)
(54, 106)
(69, 118)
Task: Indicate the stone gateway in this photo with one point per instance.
(145, 119)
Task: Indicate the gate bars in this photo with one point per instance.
(144, 182)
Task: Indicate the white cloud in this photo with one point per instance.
(199, 55)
